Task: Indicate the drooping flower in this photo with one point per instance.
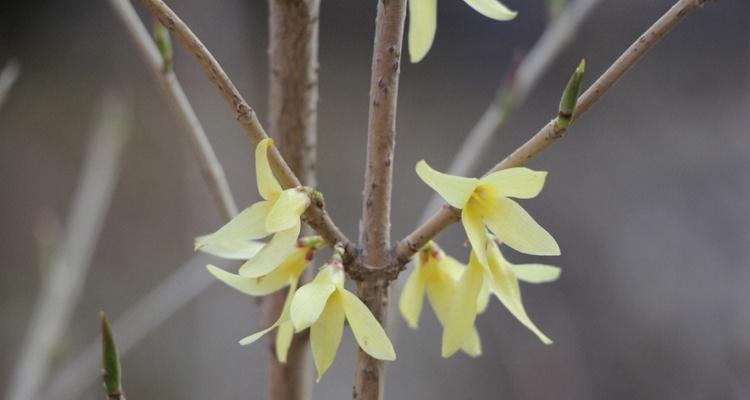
(323, 305)
(278, 214)
(485, 202)
(436, 275)
(501, 278)
(288, 271)
(423, 22)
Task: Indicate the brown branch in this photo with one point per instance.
(407, 247)
(209, 164)
(293, 59)
(376, 207)
(316, 216)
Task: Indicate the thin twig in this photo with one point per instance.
(293, 116)
(209, 164)
(8, 78)
(61, 288)
(376, 208)
(315, 216)
(169, 296)
(514, 90)
(407, 247)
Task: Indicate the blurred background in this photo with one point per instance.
(647, 195)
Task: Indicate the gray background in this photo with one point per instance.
(648, 197)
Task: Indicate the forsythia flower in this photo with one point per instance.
(287, 272)
(486, 201)
(279, 214)
(423, 22)
(501, 277)
(323, 305)
(437, 275)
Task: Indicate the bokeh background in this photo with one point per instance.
(648, 197)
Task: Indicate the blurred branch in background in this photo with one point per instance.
(169, 296)
(8, 78)
(159, 61)
(514, 90)
(63, 281)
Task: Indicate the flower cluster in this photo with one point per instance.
(457, 292)
(323, 305)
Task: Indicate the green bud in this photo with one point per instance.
(570, 98)
(164, 44)
(111, 376)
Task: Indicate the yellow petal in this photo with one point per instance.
(282, 318)
(483, 300)
(412, 298)
(455, 190)
(325, 334)
(460, 322)
(272, 254)
(521, 182)
(284, 336)
(247, 225)
(515, 227)
(367, 330)
(268, 186)
(253, 286)
(453, 267)
(422, 26)
(473, 344)
(492, 9)
(286, 210)
(536, 273)
(310, 300)
(441, 291)
(505, 287)
(476, 232)
(233, 250)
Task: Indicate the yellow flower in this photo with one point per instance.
(486, 201)
(323, 305)
(436, 275)
(288, 271)
(279, 214)
(501, 278)
(423, 22)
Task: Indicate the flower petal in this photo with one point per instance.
(536, 273)
(422, 26)
(287, 210)
(268, 186)
(476, 232)
(492, 9)
(460, 322)
(325, 334)
(505, 287)
(515, 227)
(368, 332)
(520, 182)
(282, 318)
(483, 300)
(247, 225)
(232, 250)
(453, 267)
(272, 254)
(441, 291)
(260, 286)
(310, 301)
(455, 190)
(412, 298)
(473, 344)
(284, 336)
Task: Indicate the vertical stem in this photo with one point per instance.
(293, 65)
(376, 208)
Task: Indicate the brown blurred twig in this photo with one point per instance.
(8, 77)
(293, 116)
(160, 67)
(315, 216)
(70, 262)
(514, 89)
(407, 247)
